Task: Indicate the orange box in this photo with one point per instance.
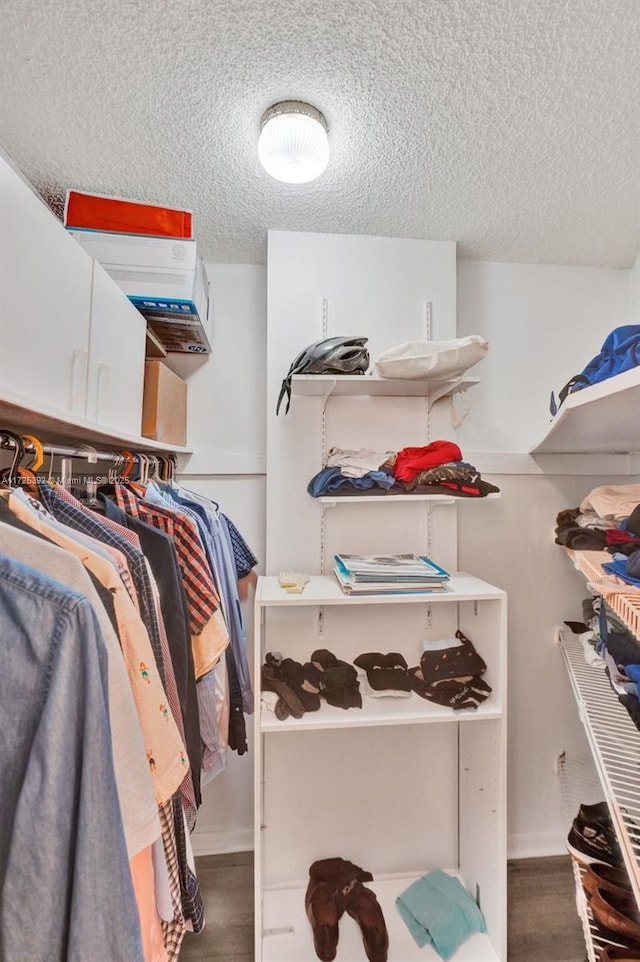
(164, 405)
(101, 212)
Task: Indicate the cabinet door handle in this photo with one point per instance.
(78, 380)
(102, 387)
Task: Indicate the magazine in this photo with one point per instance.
(391, 568)
(351, 586)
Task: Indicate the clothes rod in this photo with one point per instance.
(92, 455)
(89, 455)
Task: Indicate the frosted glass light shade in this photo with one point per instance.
(293, 145)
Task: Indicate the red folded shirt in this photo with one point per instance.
(618, 536)
(411, 461)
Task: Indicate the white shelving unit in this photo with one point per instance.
(476, 775)
(437, 499)
(354, 385)
(400, 786)
(325, 590)
(602, 418)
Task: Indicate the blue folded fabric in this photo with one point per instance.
(330, 480)
(438, 910)
(633, 672)
(619, 568)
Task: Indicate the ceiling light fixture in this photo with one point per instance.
(293, 145)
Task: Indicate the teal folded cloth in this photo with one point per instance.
(438, 910)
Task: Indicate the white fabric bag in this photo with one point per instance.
(432, 359)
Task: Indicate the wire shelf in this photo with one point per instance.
(594, 942)
(615, 743)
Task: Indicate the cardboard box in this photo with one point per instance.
(164, 405)
(174, 302)
(134, 250)
(106, 213)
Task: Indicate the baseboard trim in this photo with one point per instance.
(536, 844)
(222, 843)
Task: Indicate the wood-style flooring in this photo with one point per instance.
(543, 925)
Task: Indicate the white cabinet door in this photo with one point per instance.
(116, 358)
(45, 293)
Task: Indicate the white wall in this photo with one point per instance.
(543, 324)
(226, 429)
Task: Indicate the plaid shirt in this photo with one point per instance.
(62, 509)
(200, 590)
(172, 932)
(171, 689)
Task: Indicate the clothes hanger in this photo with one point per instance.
(129, 462)
(138, 486)
(14, 475)
(38, 457)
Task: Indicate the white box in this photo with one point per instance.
(174, 302)
(136, 250)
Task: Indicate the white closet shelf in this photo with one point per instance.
(380, 711)
(615, 744)
(597, 419)
(352, 385)
(387, 498)
(287, 934)
(325, 590)
(60, 428)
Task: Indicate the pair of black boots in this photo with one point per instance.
(300, 687)
(335, 887)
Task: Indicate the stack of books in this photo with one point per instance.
(399, 574)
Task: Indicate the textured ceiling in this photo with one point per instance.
(511, 126)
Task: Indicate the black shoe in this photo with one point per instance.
(592, 842)
(595, 813)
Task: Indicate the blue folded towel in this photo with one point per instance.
(438, 910)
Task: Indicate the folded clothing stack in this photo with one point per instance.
(608, 519)
(291, 688)
(449, 673)
(384, 674)
(435, 468)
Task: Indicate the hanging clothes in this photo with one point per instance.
(61, 823)
(157, 568)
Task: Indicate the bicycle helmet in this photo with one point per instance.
(334, 355)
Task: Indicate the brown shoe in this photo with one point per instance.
(363, 906)
(615, 880)
(322, 912)
(338, 872)
(617, 919)
(614, 954)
